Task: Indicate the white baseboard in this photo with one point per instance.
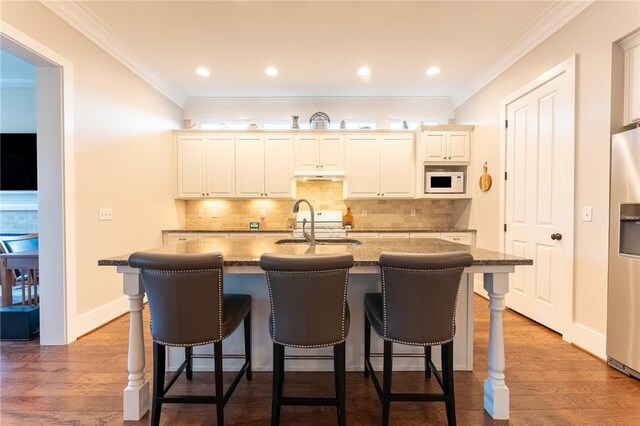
(589, 340)
(93, 319)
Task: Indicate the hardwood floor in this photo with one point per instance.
(551, 383)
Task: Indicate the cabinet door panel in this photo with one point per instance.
(458, 146)
(221, 175)
(332, 153)
(363, 168)
(397, 167)
(278, 160)
(249, 167)
(306, 152)
(190, 167)
(435, 146)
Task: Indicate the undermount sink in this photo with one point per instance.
(348, 241)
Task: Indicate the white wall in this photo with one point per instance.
(123, 159)
(590, 35)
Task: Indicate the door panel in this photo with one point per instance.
(191, 167)
(249, 167)
(221, 172)
(536, 198)
(278, 174)
(332, 152)
(306, 152)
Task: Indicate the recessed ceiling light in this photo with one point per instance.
(271, 71)
(433, 71)
(202, 71)
(364, 71)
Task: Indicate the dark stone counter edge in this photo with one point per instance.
(186, 231)
(515, 262)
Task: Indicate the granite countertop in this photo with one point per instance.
(443, 229)
(246, 251)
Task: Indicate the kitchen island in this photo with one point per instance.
(242, 274)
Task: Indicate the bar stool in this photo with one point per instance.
(417, 307)
(309, 309)
(188, 308)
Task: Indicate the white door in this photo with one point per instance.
(249, 167)
(306, 152)
(397, 167)
(332, 152)
(221, 166)
(191, 167)
(539, 192)
(278, 167)
(363, 167)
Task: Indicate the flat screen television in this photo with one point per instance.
(18, 162)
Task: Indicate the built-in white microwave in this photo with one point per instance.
(443, 182)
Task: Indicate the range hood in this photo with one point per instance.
(318, 174)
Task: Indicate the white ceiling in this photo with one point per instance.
(318, 46)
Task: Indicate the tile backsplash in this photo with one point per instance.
(323, 195)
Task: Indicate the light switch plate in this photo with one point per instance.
(105, 213)
(200, 214)
(587, 213)
(364, 213)
(413, 212)
(214, 212)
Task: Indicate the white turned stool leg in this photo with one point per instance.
(496, 392)
(136, 394)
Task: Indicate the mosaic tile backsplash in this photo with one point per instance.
(323, 195)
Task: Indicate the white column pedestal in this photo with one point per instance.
(496, 392)
(136, 394)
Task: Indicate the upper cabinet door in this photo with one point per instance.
(306, 152)
(458, 146)
(631, 47)
(397, 167)
(331, 152)
(221, 171)
(363, 167)
(191, 167)
(278, 172)
(249, 167)
(435, 146)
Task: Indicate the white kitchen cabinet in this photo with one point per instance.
(631, 48)
(424, 235)
(182, 237)
(380, 166)
(205, 166)
(458, 237)
(445, 146)
(264, 166)
(393, 235)
(319, 152)
(357, 235)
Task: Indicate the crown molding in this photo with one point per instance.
(555, 17)
(82, 19)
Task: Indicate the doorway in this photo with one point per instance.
(538, 155)
(54, 88)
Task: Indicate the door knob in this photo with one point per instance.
(557, 237)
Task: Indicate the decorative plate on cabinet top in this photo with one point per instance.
(319, 120)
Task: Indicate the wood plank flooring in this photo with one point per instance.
(551, 383)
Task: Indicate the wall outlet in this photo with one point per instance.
(200, 214)
(587, 213)
(413, 212)
(214, 212)
(105, 213)
(363, 213)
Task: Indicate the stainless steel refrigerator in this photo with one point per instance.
(623, 301)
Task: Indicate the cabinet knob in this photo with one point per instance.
(378, 194)
(203, 194)
(261, 194)
(265, 194)
(317, 166)
(449, 158)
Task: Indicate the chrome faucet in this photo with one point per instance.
(310, 238)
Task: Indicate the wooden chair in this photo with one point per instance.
(27, 278)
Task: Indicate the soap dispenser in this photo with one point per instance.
(347, 219)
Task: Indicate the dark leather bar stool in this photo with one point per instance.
(309, 309)
(188, 308)
(417, 307)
